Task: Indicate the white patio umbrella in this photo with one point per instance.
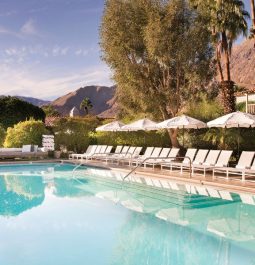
(110, 127)
(141, 125)
(182, 122)
(234, 120)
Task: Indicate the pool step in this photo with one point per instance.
(176, 197)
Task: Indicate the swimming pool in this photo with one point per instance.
(48, 215)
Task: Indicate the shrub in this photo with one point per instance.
(75, 134)
(140, 138)
(14, 110)
(2, 135)
(26, 132)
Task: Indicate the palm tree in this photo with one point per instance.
(86, 105)
(227, 21)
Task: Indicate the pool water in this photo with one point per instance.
(50, 215)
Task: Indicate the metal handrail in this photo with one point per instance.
(73, 171)
(155, 158)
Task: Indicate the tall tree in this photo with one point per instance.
(86, 105)
(227, 21)
(159, 52)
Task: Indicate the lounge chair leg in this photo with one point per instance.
(243, 176)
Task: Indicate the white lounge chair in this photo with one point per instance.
(122, 154)
(243, 164)
(102, 154)
(250, 172)
(210, 161)
(154, 154)
(141, 158)
(129, 158)
(91, 153)
(127, 155)
(116, 152)
(189, 157)
(199, 159)
(161, 158)
(74, 156)
(170, 157)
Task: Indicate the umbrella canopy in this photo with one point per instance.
(110, 127)
(143, 124)
(233, 120)
(182, 122)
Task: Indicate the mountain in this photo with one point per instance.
(243, 65)
(102, 98)
(34, 101)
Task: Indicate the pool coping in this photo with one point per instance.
(234, 186)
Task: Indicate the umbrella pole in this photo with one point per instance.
(224, 135)
(183, 136)
(238, 142)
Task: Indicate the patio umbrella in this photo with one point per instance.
(141, 125)
(182, 122)
(234, 120)
(110, 127)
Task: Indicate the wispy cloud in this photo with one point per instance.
(27, 83)
(81, 52)
(59, 51)
(29, 28)
(6, 31)
(8, 13)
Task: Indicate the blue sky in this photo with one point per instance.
(50, 47)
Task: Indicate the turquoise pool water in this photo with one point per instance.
(48, 215)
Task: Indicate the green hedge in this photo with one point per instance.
(2, 135)
(140, 138)
(26, 132)
(75, 134)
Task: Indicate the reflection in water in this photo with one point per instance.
(20, 193)
(162, 233)
(145, 240)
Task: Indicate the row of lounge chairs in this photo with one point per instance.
(152, 156)
(199, 161)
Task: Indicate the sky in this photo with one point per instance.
(51, 47)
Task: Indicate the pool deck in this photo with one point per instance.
(232, 185)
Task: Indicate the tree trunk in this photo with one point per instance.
(226, 54)
(227, 96)
(173, 137)
(253, 19)
(219, 63)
